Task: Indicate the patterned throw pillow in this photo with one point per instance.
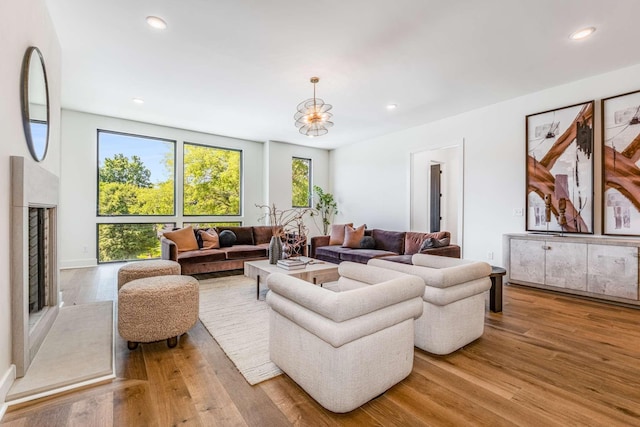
(432, 242)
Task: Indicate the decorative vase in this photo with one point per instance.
(275, 250)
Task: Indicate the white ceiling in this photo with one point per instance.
(239, 67)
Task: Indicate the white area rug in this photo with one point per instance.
(239, 323)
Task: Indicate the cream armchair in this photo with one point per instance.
(454, 300)
(345, 348)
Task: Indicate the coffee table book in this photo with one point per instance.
(291, 264)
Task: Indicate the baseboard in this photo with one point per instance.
(84, 384)
(78, 263)
(5, 384)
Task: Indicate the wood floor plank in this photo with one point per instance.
(214, 405)
(169, 392)
(95, 411)
(251, 401)
(133, 406)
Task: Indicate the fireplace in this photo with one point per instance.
(34, 260)
(38, 263)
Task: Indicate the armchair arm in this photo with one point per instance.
(316, 242)
(341, 306)
(298, 307)
(441, 272)
(168, 249)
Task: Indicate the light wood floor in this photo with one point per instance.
(547, 360)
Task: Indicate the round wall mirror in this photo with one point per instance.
(35, 103)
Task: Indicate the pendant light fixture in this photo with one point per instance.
(313, 117)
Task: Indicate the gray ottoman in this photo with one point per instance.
(157, 308)
(140, 269)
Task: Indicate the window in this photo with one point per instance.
(212, 180)
(206, 225)
(124, 242)
(301, 182)
(135, 175)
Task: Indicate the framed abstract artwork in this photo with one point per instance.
(559, 175)
(620, 158)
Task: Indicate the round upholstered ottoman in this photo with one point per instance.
(139, 269)
(157, 308)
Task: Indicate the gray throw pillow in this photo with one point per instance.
(367, 242)
(227, 238)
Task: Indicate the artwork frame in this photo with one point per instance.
(559, 195)
(620, 170)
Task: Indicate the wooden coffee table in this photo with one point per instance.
(317, 273)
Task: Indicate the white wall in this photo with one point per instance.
(22, 24)
(79, 179)
(370, 178)
(278, 159)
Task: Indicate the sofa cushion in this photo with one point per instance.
(392, 241)
(201, 256)
(363, 255)
(331, 253)
(263, 233)
(245, 251)
(413, 240)
(184, 238)
(244, 235)
(402, 259)
(352, 237)
(337, 233)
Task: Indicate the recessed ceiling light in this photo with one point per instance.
(156, 22)
(583, 33)
(138, 100)
(392, 106)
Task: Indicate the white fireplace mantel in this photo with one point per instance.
(31, 186)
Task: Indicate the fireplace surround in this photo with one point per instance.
(33, 189)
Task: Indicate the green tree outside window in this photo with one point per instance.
(300, 182)
(211, 180)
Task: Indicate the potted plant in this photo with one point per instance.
(326, 207)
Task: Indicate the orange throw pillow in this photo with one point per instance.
(352, 237)
(185, 239)
(337, 233)
(210, 239)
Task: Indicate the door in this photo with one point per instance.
(435, 197)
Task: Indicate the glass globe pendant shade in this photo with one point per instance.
(313, 117)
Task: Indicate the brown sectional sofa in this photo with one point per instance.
(252, 243)
(396, 246)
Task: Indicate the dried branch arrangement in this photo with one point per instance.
(288, 224)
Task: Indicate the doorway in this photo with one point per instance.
(430, 195)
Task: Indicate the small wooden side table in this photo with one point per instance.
(495, 294)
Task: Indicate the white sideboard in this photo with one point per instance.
(595, 266)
